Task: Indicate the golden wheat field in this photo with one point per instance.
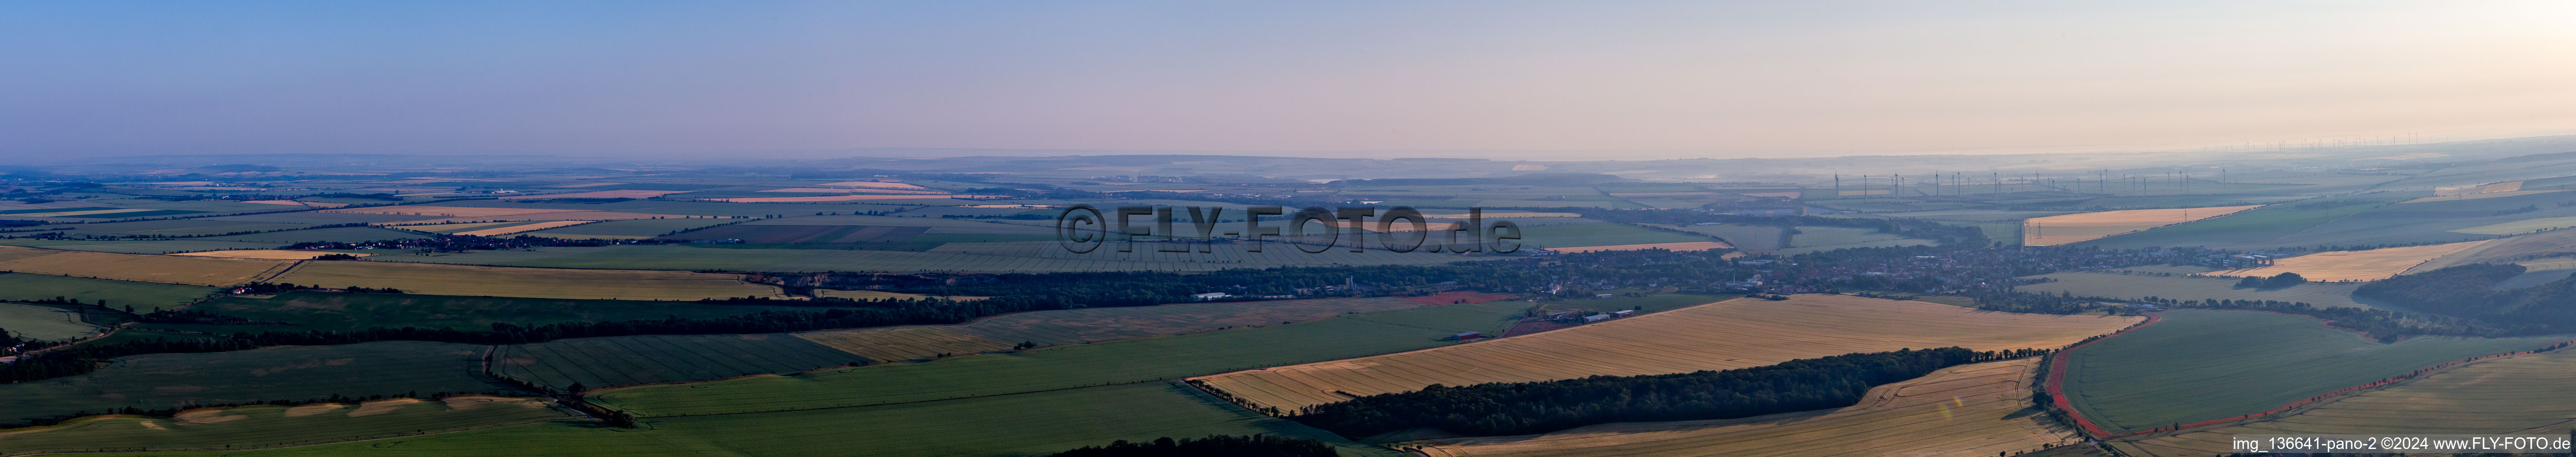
(1739, 333)
(1967, 410)
(2364, 265)
(522, 228)
(1682, 246)
(444, 279)
(906, 343)
(279, 254)
(2081, 227)
(2507, 186)
(2508, 395)
(203, 271)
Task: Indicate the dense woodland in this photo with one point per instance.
(1520, 408)
(1212, 445)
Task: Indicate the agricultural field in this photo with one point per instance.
(1023, 256)
(2554, 243)
(2081, 227)
(627, 228)
(158, 381)
(1968, 410)
(653, 359)
(272, 254)
(1085, 325)
(2521, 226)
(348, 312)
(207, 271)
(802, 234)
(2523, 394)
(1751, 238)
(1815, 238)
(145, 296)
(2251, 228)
(1738, 333)
(37, 322)
(2199, 365)
(2539, 271)
(2364, 265)
(520, 228)
(1037, 424)
(170, 227)
(1109, 362)
(442, 279)
(2136, 286)
(249, 427)
(1682, 246)
(1601, 234)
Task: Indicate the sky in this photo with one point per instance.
(1499, 79)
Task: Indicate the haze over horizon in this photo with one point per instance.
(1496, 80)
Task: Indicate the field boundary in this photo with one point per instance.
(2057, 381)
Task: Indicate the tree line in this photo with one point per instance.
(1519, 408)
(2469, 292)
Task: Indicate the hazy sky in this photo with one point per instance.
(1623, 79)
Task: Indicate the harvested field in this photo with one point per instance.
(443, 279)
(1074, 365)
(802, 234)
(1760, 238)
(210, 271)
(2512, 193)
(2365, 265)
(1048, 328)
(2080, 227)
(596, 363)
(879, 185)
(905, 343)
(2120, 286)
(447, 228)
(2523, 394)
(145, 296)
(1684, 246)
(1967, 410)
(44, 323)
(274, 254)
(261, 426)
(2200, 365)
(522, 228)
(2554, 243)
(1731, 334)
(843, 198)
(159, 381)
(1813, 238)
(623, 193)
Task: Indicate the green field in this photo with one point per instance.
(630, 228)
(37, 322)
(285, 373)
(650, 359)
(2113, 285)
(1047, 328)
(1814, 238)
(345, 311)
(145, 296)
(2199, 365)
(1111, 362)
(1601, 234)
(270, 426)
(1745, 237)
(1010, 425)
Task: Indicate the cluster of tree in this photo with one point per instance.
(1226, 445)
(2469, 291)
(1538, 407)
(2274, 282)
(2025, 302)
